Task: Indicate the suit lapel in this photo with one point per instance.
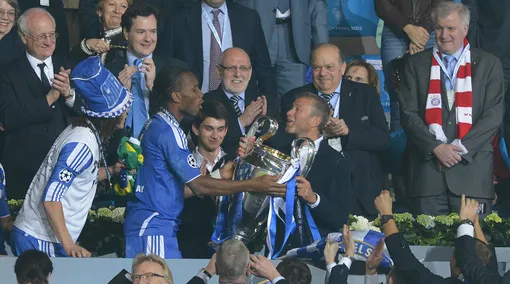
(194, 22)
(30, 77)
(237, 30)
(345, 98)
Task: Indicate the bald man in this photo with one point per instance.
(357, 127)
(243, 105)
(35, 101)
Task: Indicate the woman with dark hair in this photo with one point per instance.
(33, 267)
(11, 47)
(60, 195)
(108, 39)
(363, 72)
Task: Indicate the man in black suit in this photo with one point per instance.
(137, 67)
(357, 127)
(243, 105)
(409, 267)
(35, 96)
(233, 264)
(199, 33)
(56, 9)
(326, 190)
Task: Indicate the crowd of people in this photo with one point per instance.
(187, 79)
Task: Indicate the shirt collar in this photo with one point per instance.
(208, 9)
(229, 95)
(34, 62)
(337, 90)
(131, 58)
(200, 158)
(457, 54)
(318, 143)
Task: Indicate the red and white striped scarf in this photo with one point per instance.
(463, 96)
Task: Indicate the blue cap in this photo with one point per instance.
(102, 94)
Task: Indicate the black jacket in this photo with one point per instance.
(330, 179)
(11, 47)
(339, 275)
(472, 269)
(182, 39)
(31, 126)
(368, 137)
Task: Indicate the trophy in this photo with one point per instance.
(249, 210)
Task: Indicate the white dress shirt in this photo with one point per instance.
(225, 35)
(241, 104)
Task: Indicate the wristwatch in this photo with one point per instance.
(385, 218)
(204, 275)
(467, 221)
(72, 92)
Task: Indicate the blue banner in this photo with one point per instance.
(352, 18)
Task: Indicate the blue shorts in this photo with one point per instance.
(21, 241)
(164, 246)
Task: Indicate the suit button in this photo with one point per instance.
(449, 122)
(53, 106)
(45, 129)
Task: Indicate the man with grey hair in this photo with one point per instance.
(232, 264)
(34, 102)
(451, 118)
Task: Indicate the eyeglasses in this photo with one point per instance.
(234, 68)
(10, 14)
(145, 276)
(43, 37)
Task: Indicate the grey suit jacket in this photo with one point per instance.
(473, 175)
(309, 23)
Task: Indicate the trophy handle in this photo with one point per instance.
(258, 124)
(304, 146)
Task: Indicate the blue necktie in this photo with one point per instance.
(283, 5)
(449, 62)
(137, 116)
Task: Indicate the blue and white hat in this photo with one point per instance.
(102, 94)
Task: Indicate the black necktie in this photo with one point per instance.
(44, 78)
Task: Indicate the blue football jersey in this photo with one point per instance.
(168, 166)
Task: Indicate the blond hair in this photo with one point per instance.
(141, 258)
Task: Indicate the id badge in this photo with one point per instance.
(335, 143)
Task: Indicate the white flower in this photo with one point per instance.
(426, 221)
(373, 228)
(361, 224)
(118, 215)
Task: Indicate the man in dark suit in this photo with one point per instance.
(357, 127)
(326, 190)
(450, 149)
(34, 98)
(137, 67)
(233, 264)
(56, 9)
(409, 267)
(198, 34)
(243, 105)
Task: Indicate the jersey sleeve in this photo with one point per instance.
(179, 157)
(4, 207)
(74, 158)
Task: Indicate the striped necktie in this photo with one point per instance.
(235, 103)
(327, 99)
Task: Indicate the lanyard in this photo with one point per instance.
(213, 29)
(101, 152)
(457, 66)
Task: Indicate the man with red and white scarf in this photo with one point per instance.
(451, 107)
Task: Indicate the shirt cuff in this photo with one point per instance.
(316, 203)
(465, 230)
(346, 261)
(203, 276)
(70, 102)
(243, 132)
(277, 279)
(330, 266)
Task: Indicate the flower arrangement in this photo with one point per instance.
(425, 230)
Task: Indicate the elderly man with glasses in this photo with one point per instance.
(243, 105)
(35, 101)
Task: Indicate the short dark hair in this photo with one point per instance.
(295, 271)
(397, 276)
(167, 81)
(319, 108)
(137, 10)
(33, 266)
(212, 109)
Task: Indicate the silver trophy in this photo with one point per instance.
(249, 210)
